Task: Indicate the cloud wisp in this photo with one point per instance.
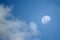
(15, 29)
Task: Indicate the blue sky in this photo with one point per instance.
(33, 10)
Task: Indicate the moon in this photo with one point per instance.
(45, 19)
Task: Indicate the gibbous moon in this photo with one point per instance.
(45, 19)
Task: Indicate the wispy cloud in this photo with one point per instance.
(33, 26)
(15, 29)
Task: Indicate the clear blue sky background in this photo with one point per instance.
(33, 10)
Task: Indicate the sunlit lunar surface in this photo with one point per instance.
(45, 19)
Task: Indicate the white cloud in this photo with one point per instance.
(4, 11)
(15, 29)
(34, 27)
